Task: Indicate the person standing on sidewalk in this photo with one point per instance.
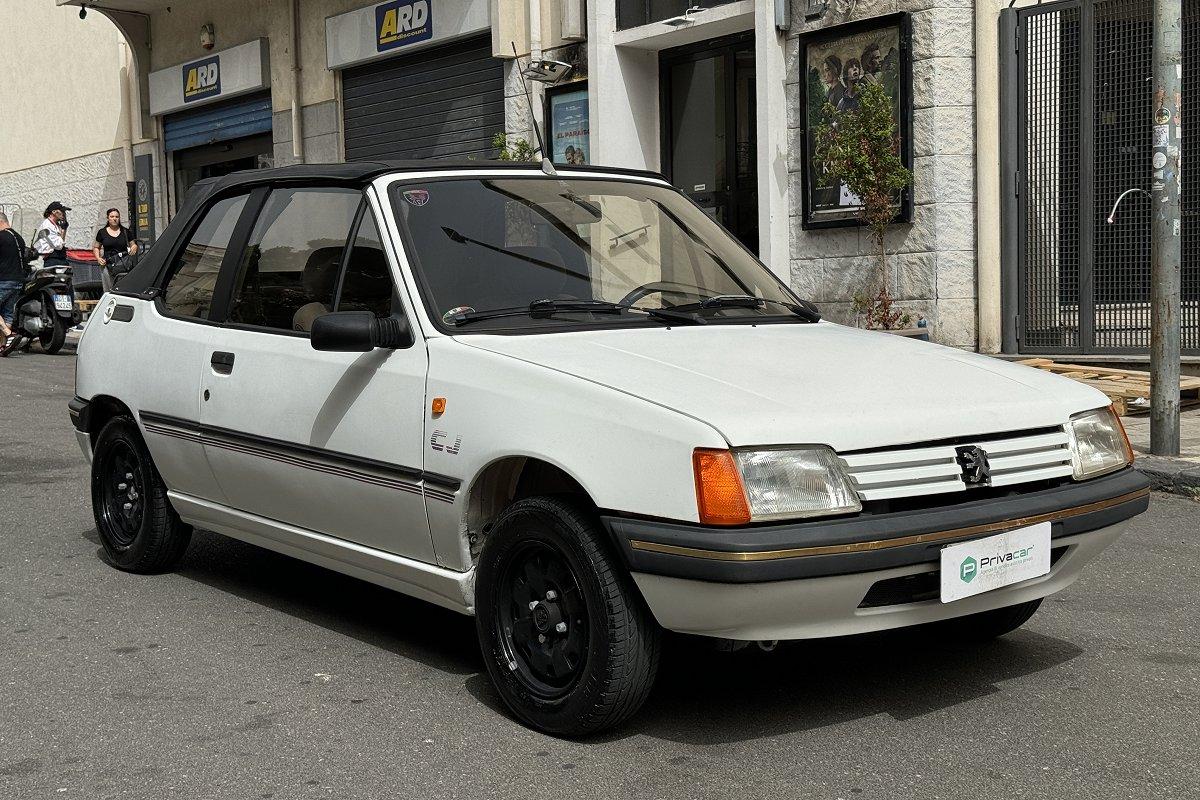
(50, 239)
(12, 280)
(113, 242)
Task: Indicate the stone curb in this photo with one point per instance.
(1172, 475)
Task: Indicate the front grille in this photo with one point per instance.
(934, 469)
(918, 588)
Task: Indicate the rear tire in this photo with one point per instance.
(987, 625)
(137, 526)
(565, 636)
(53, 338)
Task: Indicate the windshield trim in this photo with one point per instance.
(396, 184)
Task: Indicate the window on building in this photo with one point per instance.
(189, 291)
(289, 271)
(631, 13)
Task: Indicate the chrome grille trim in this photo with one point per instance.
(917, 471)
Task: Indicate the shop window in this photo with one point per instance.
(289, 271)
(189, 291)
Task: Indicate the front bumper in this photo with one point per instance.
(862, 573)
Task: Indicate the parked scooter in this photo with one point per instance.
(46, 308)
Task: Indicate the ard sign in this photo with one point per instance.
(202, 79)
(401, 23)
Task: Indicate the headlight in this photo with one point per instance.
(734, 487)
(1098, 443)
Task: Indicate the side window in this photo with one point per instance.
(289, 271)
(367, 282)
(189, 291)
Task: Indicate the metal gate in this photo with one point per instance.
(1077, 99)
(439, 102)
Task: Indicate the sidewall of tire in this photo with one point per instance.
(134, 556)
(567, 716)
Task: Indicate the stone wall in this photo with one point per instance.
(933, 266)
(321, 126)
(89, 185)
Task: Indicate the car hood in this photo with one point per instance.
(808, 383)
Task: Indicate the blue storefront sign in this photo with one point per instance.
(402, 22)
(202, 79)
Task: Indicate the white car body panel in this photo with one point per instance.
(809, 384)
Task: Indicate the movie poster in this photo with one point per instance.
(569, 127)
(838, 63)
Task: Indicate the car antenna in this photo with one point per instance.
(546, 71)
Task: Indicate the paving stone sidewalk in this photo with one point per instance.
(1178, 475)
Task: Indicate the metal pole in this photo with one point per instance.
(1165, 240)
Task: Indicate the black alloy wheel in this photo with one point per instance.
(567, 639)
(137, 526)
(123, 490)
(541, 620)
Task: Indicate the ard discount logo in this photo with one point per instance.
(202, 79)
(401, 23)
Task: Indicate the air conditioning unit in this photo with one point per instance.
(573, 20)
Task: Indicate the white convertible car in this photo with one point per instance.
(576, 407)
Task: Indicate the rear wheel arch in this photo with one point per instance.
(101, 409)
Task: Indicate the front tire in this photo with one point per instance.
(566, 639)
(53, 337)
(137, 526)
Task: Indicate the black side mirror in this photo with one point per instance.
(358, 332)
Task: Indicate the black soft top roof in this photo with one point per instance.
(145, 275)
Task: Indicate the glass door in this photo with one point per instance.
(709, 130)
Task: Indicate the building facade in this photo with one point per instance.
(65, 130)
(724, 100)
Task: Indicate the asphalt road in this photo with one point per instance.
(245, 674)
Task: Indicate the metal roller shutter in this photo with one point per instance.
(440, 102)
(220, 122)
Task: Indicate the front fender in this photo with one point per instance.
(630, 455)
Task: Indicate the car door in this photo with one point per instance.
(170, 349)
(329, 442)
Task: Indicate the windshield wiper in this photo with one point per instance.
(805, 310)
(545, 308)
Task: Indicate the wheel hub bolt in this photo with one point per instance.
(551, 595)
(532, 604)
(122, 487)
(541, 638)
(128, 476)
(561, 627)
(127, 506)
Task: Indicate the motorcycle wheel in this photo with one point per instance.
(53, 337)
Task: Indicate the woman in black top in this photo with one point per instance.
(112, 241)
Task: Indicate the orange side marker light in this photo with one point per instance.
(438, 406)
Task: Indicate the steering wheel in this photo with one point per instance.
(647, 289)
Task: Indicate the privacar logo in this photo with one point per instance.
(968, 570)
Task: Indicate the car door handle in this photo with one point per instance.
(222, 362)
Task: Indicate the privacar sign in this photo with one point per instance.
(401, 23)
(400, 26)
(229, 73)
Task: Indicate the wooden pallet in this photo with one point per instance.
(1129, 389)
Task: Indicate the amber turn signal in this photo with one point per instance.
(720, 497)
(439, 405)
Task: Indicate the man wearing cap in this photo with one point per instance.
(50, 239)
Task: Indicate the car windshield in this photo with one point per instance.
(538, 253)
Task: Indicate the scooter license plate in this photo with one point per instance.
(62, 302)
